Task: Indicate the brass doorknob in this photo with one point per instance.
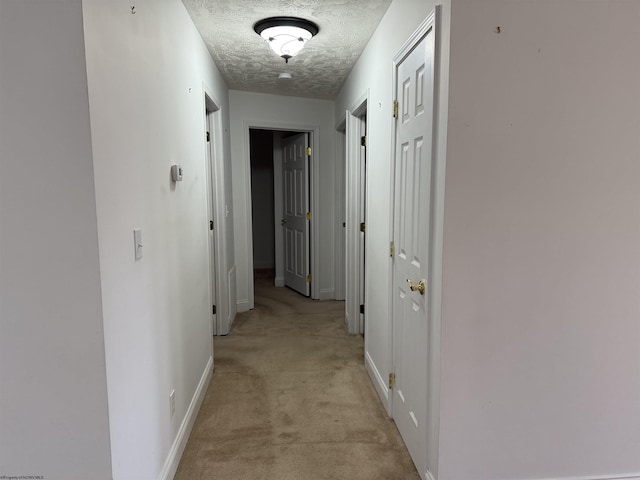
(419, 287)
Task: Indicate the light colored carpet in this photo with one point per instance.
(290, 400)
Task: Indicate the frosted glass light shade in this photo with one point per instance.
(286, 41)
(286, 35)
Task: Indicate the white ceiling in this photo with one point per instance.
(319, 70)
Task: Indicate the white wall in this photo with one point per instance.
(374, 72)
(541, 330)
(289, 113)
(53, 396)
(146, 74)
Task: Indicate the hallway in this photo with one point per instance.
(290, 399)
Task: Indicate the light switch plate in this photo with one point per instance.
(137, 243)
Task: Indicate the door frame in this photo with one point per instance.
(314, 198)
(434, 278)
(340, 219)
(354, 198)
(215, 184)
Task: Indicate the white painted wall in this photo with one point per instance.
(53, 395)
(146, 73)
(374, 72)
(273, 111)
(541, 331)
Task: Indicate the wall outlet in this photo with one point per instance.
(172, 403)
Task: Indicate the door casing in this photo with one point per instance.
(221, 322)
(314, 200)
(355, 271)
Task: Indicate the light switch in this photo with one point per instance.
(137, 243)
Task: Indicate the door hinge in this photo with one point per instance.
(214, 309)
(392, 249)
(308, 278)
(392, 380)
(210, 224)
(308, 151)
(208, 137)
(363, 141)
(308, 215)
(362, 309)
(362, 227)
(395, 109)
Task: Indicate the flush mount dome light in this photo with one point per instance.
(286, 35)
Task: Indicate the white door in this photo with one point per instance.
(414, 163)
(210, 210)
(296, 213)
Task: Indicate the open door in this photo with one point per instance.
(297, 217)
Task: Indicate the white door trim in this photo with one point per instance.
(225, 311)
(353, 200)
(434, 280)
(314, 171)
(340, 219)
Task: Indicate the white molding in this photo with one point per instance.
(378, 381)
(359, 107)
(353, 204)
(631, 476)
(279, 282)
(222, 287)
(314, 132)
(243, 305)
(327, 294)
(246, 143)
(177, 449)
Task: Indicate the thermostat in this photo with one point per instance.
(176, 173)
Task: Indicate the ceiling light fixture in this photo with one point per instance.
(286, 35)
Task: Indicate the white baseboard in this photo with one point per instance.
(327, 294)
(279, 282)
(175, 454)
(626, 476)
(243, 305)
(379, 383)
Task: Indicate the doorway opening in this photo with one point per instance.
(281, 215)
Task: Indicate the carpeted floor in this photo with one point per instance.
(290, 400)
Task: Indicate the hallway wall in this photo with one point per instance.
(541, 267)
(146, 75)
(373, 73)
(273, 111)
(53, 395)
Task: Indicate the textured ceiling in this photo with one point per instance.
(318, 71)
